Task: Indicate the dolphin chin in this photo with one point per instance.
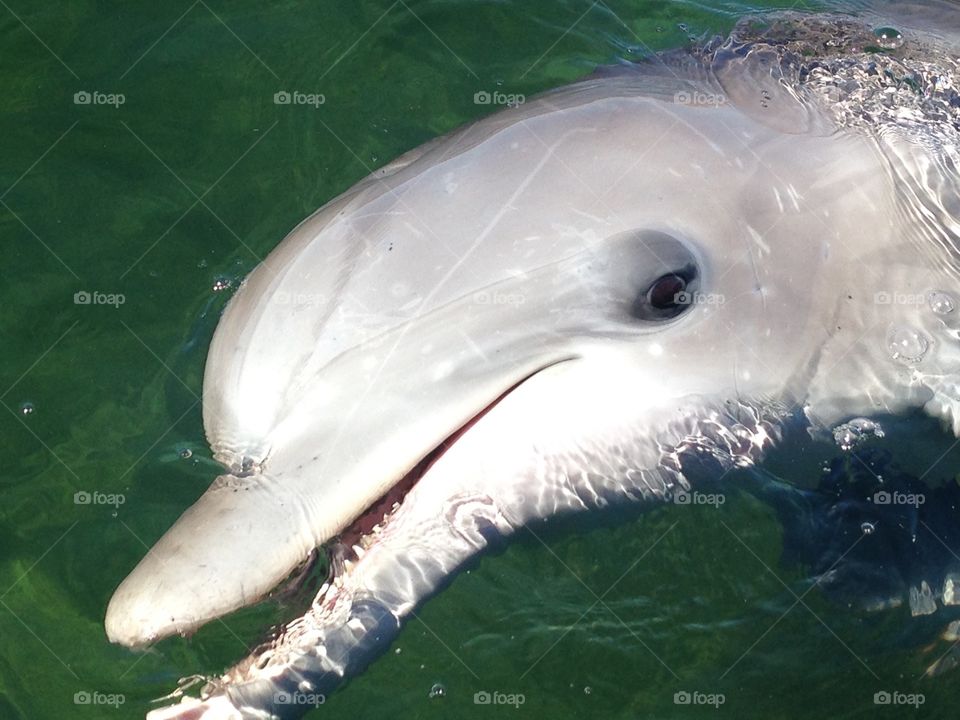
(565, 306)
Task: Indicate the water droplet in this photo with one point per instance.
(221, 284)
(682, 26)
(888, 38)
(114, 514)
(202, 263)
(587, 690)
(186, 453)
(397, 651)
(941, 303)
(906, 345)
(27, 408)
(437, 691)
(867, 528)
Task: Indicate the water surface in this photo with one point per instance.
(168, 200)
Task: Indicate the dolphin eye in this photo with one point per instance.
(654, 277)
(666, 292)
(667, 296)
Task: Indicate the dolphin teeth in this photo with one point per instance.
(921, 600)
(951, 592)
(359, 552)
(952, 631)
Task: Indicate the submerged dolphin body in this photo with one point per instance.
(556, 309)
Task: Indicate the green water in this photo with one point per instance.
(187, 184)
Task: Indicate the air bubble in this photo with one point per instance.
(868, 528)
(888, 38)
(587, 690)
(27, 408)
(221, 284)
(906, 345)
(186, 453)
(437, 691)
(941, 303)
(854, 433)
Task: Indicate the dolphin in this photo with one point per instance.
(569, 305)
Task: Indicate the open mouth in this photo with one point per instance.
(373, 524)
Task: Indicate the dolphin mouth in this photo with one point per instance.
(365, 531)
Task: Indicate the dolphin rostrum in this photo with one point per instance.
(559, 308)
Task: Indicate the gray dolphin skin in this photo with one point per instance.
(556, 309)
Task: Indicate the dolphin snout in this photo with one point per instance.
(236, 543)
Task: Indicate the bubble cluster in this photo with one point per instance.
(906, 345)
(855, 432)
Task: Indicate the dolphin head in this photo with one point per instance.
(635, 251)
